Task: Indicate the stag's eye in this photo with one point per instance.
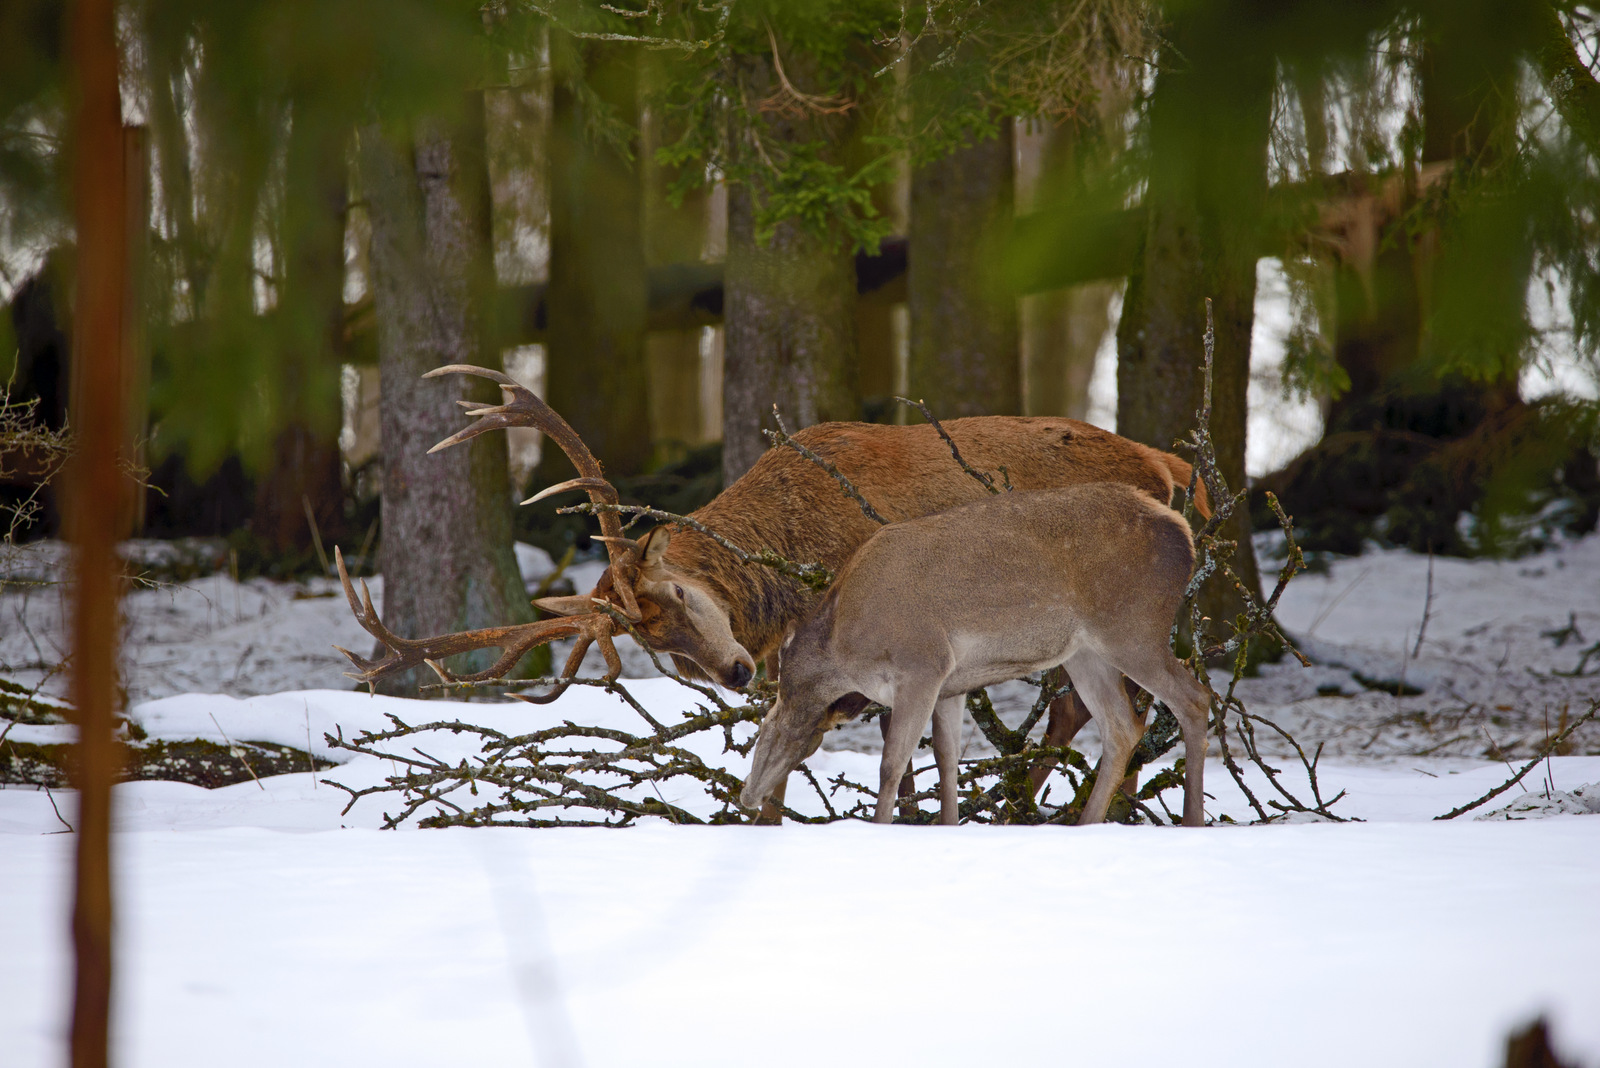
(679, 591)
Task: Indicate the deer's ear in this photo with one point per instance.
(565, 606)
(655, 545)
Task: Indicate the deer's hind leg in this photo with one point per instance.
(1160, 672)
(1102, 689)
(947, 717)
(1068, 715)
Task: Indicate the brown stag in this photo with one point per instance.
(686, 595)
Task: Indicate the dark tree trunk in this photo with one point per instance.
(304, 465)
(597, 298)
(1209, 122)
(446, 557)
(964, 334)
(789, 303)
(790, 308)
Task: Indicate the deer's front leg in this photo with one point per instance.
(913, 707)
(947, 716)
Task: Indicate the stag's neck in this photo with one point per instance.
(763, 603)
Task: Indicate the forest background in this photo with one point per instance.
(671, 217)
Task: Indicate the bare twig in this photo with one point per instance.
(236, 751)
(52, 798)
(814, 576)
(1549, 747)
(316, 535)
(1427, 607)
(781, 436)
(984, 480)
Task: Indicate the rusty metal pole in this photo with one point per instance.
(96, 490)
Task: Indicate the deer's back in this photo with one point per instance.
(1024, 565)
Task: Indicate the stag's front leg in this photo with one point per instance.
(947, 717)
(913, 707)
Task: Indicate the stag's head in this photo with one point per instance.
(638, 591)
(813, 698)
(679, 613)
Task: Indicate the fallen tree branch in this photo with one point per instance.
(1549, 747)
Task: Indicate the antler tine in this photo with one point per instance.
(525, 408)
(574, 661)
(514, 641)
(572, 484)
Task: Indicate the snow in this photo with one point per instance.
(264, 924)
(1318, 945)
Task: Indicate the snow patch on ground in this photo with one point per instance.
(1382, 944)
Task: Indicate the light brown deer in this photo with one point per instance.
(1088, 577)
(690, 597)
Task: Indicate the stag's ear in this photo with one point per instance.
(565, 606)
(655, 545)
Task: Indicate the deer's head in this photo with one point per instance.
(679, 613)
(813, 698)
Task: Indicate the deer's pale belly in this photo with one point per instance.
(985, 660)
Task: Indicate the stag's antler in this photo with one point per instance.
(514, 642)
(522, 408)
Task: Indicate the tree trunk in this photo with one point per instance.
(304, 465)
(100, 491)
(597, 298)
(964, 339)
(791, 333)
(446, 556)
(1209, 121)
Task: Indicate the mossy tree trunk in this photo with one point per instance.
(964, 356)
(446, 557)
(1209, 121)
(790, 308)
(595, 373)
(789, 302)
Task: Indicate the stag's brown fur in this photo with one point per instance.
(788, 504)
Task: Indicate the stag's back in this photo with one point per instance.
(787, 503)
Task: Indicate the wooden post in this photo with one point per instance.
(96, 490)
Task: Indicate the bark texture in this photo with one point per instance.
(789, 303)
(597, 299)
(964, 332)
(791, 333)
(1209, 122)
(446, 556)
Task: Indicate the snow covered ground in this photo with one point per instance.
(264, 925)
